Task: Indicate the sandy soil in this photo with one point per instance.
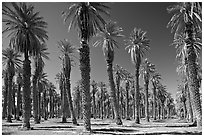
(102, 127)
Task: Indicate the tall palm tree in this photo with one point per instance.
(86, 17)
(108, 42)
(137, 45)
(67, 50)
(10, 61)
(187, 19)
(147, 70)
(27, 30)
(39, 65)
(155, 79)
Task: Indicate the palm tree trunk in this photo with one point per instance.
(154, 102)
(14, 99)
(26, 92)
(85, 84)
(94, 104)
(18, 102)
(127, 101)
(190, 111)
(146, 101)
(193, 82)
(185, 109)
(113, 93)
(74, 121)
(35, 99)
(137, 93)
(9, 113)
(5, 96)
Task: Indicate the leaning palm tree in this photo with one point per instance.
(137, 45)
(67, 50)
(187, 20)
(147, 70)
(10, 61)
(108, 42)
(155, 79)
(86, 17)
(39, 65)
(27, 30)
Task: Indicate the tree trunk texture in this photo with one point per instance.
(26, 93)
(85, 84)
(35, 100)
(193, 82)
(137, 96)
(113, 93)
(5, 105)
(146, 101)
(9, 113)
(74, 121)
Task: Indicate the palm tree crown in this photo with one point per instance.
(137, 44)
(86, 16)
(26, 27)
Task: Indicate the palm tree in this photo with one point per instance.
(67, 50)
(27, 30)
(10, 61)
(187, 20)
(108, 43)
(86, 17)
(39, 65)
(147, 70)
(5, 91)
(155, 81)
(137, 45)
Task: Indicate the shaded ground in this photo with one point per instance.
(99, 127)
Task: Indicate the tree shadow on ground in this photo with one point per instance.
(53, 127)
(113, 131)
(173, 133)
(100, 124)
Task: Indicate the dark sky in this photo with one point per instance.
(150, 17)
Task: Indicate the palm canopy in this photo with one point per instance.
(26, 28)
(182, 46)
(156, 77)
(10, 59)
(42, 54)
(185, 12)
(67, 50)
(137, 45)
(108, 38)
(147, 69)
(86, 15)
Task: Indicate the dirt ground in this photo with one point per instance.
(103, 127)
